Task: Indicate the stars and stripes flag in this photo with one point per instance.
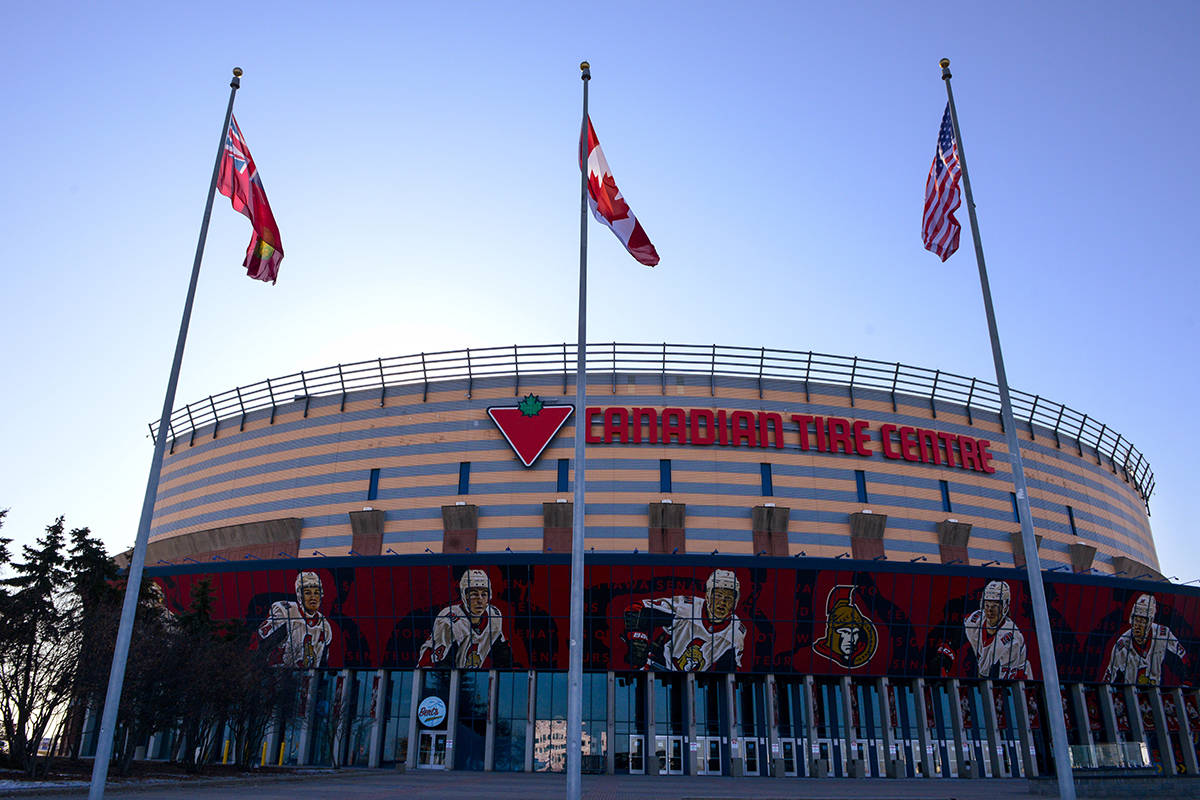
(609, 206)
(239, 181)
(939, 227)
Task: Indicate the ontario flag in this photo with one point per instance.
(239, 182)
(608, 205)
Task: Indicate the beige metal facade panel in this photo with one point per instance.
(317, 467)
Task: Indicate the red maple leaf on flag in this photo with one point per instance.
(609, 202)
(608, 206)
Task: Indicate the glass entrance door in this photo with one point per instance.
(787, 748)
(669, 750)
(431, 750)
(752, 766)
(637, 754)
(709, 762)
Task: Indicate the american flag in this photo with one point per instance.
(939, 227)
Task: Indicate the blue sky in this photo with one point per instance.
(420, 160)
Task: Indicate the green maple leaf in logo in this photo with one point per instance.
(531, 406)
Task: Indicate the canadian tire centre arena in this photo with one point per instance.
(797, 565)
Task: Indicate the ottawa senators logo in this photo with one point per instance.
(850, 638)
(692, 659)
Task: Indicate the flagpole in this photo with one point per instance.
(575, 663)
(116, 676)
(1033, 563)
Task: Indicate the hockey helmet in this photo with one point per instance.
(305, 580)
(723, 579)
(474, 579)
(999, 592)
(1145, 606)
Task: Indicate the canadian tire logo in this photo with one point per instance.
(530, 425)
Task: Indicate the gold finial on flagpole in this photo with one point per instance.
(945, 65)
(584, 66)
(586, 69)
(237, 72)
(945, 62)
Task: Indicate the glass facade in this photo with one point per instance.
(512, 710)
(471, 731)
(550, 723)
(749, 725)
(395, 729)
(630, 723)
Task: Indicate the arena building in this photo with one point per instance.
(797, 564)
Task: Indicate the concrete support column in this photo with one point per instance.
(1166, 748)
(891, 767)
(774, 747)
(489, 738)
(379, 693)
(737, 763)
(610, 754)
(813, 754)
(965, 767)
(923, 729)
(1108, 714)
(1185, 733)
(1133, 712)
(1083, 721)
(854, 765)
(530, 721)
(651, 728)
(414, 700)
(308, 711)
(995, 745)
(1024, 732)
(692, 754)
(460, 529)
(340, 717)
(273, 737)
(452, 717)
(366, 528)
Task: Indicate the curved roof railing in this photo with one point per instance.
(665, 359)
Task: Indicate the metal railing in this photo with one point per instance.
(808, 368)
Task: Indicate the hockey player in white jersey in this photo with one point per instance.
(1137, 654)
(304, 631)
(469, 632)
(998, 644)
(686, 633)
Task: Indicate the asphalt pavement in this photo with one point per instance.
(379, 784)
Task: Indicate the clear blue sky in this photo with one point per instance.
(420, 160)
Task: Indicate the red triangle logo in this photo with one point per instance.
(530, 426)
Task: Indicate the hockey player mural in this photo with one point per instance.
(468, 634)
(998, 645)
(685, 633)
(298, 631)
(702, 616)
(1138, 652)
(850, 638)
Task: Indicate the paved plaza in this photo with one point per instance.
(378, 784)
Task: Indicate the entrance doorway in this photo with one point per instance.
(788, 752)
(431, 750)
(637, 754)
(751, 762)
(670, 754)
(709, 762)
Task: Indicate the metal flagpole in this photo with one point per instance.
(575, 665)
(1033, 563)
(116, 677)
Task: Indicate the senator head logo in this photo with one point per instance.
(850, 638)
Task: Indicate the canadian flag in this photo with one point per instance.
(609, 207)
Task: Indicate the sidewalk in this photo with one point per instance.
(379, 784)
